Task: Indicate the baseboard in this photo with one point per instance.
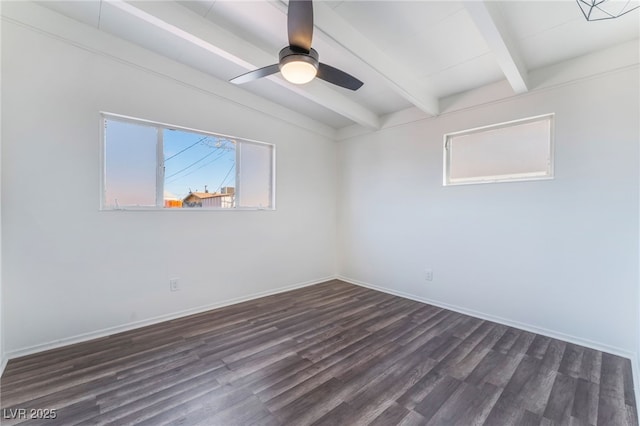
(633, 357)
(155, 320)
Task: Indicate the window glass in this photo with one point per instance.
(149, 165)
(197, 163)
(130, 164)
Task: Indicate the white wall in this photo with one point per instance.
(558, 257)
(69, 269)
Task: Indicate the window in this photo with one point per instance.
(151, 165)
(513, 151)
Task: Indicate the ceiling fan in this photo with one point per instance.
(299, 62)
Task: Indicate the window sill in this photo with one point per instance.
(199, 209)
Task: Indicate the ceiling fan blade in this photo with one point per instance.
(255, 74)
(338, 77)
(300, 23)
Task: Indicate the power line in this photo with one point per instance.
(190, 146)
(225, 176)
(194, 163)
(195, 170)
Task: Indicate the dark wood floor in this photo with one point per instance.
(331, 354)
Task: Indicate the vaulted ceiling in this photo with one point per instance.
(411, 55)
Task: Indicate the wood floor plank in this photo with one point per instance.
(339, 415)
(113, 396)
(529, 419)
(508, 408)
(199, 409)
(571, 364)
(430, 405)
(507, 340)
(489, 362)
(477, 411)
(431, 323)
(247, 411)
(611, 402)
(393, 415)
(627, 377)
(328, 354)
(632, 415)
(312, 405)
(462, 368)
(350, 357)
(560, 404)
(591, 365)
(502, 372)
(476, 341)
(450, 410)
(554, 354)
(418, 391)
(466, 327)
(379, 394)
(522, 343)
(134, 408)
(585, 402)
(539, 346)
(412, 419)
(536, 391)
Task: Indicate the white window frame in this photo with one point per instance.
(517, 177)
(160, 166)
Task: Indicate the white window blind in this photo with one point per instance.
(255, 173)
(518, 150)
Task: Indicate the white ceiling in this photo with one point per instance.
(409, 54)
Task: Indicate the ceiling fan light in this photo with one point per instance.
(298, 72)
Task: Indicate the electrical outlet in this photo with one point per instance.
(428, 275)
(174, 285)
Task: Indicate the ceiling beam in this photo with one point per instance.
(397, 76)
(184, 24)
(488, 21)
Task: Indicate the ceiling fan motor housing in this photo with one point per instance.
(289, 54)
